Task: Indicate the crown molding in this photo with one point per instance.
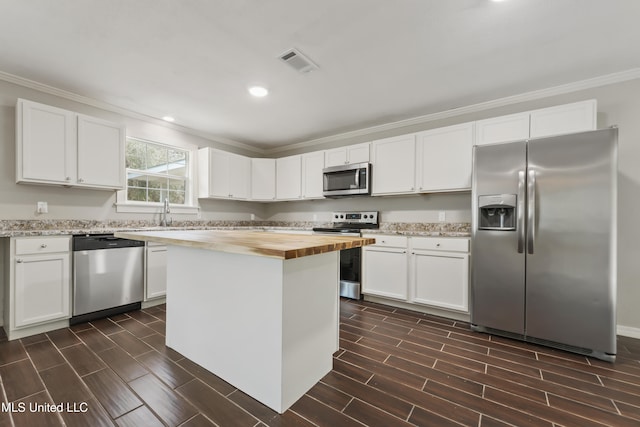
(595, 82)
(41, 87)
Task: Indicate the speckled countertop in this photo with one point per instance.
(19, 228)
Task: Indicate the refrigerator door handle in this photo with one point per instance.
(531, 211)
(520, 211)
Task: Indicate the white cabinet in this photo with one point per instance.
(156, 274)
(223, 175)
(60, 147)
(434, 273)
(101, 157)
(568, 118)
(39, 286)
(444, 158)
(289, 178)
(384, 267)
(514, 127)
(263, 179)
(394, 165)
(558, 120)
(440, 272)
(312, 165)
(358, 153)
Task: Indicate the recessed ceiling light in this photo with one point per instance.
(169, 119)
(258, 91)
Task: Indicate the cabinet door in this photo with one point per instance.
(42, 289)
(289, 178)
(335, 157)
(394, 165)
(569, 118)
(441, 279)
(358, 153)
(156, 272)
(263, 179)
(100, 153)
(384, 272)
(240, 177)
(312, 165)
(45, 144)
(444, 158)
(213, 173)
(514, 127)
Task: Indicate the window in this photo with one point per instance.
(156, 171)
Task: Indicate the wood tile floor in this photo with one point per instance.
(394, 368)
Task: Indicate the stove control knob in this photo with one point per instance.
(335, 216)
(365, 217)
(341, 216)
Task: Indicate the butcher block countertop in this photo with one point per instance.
(259, 243)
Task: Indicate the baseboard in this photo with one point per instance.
(628, 331)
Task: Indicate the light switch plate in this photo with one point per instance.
(42, 207)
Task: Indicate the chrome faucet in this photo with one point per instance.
(165, 220)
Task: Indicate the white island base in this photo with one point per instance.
(268, 326)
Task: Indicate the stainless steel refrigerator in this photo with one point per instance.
(544, 241)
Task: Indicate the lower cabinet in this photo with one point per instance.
(427, 271)
(384, 271)
(38, 290)
(156, 274)
(440, 272)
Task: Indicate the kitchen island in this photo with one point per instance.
(257, 309)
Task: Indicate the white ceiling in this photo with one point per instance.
(380, 60)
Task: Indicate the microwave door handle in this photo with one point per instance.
(357, 171)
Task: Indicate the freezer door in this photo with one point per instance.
(497, 267)
(571, 259)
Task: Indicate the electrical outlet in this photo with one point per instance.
(253, 217)
(315, 217)
(42, 207)
(442, 216)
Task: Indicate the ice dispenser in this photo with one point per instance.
(497, 212)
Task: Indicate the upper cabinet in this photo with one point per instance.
(558, 120)
(263, 179)
(394, 165)
(444, 158)
(568, 118)
(358, 153)
(60, 147)
(514, 127)
(223, 175)
(312, 165)
(289, 178)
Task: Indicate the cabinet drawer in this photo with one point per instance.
(42, 245)
(440, 244)
(388, 241)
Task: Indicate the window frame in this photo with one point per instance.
(191, 202)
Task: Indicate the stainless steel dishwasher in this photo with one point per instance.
(108, 276)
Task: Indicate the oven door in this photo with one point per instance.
(350, 266)
(347, 180)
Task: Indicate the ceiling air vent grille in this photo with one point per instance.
(298, 61)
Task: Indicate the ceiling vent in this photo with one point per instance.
(298, 61)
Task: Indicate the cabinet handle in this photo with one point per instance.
(19, 261)
(437, 245)
(68, 178)
(44, 245)
(80, 180)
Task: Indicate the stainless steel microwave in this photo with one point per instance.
(347, 180)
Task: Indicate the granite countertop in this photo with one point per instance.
(274, 245)
(22, 228)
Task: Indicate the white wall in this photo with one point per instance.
(18, 201)
(618, 104)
